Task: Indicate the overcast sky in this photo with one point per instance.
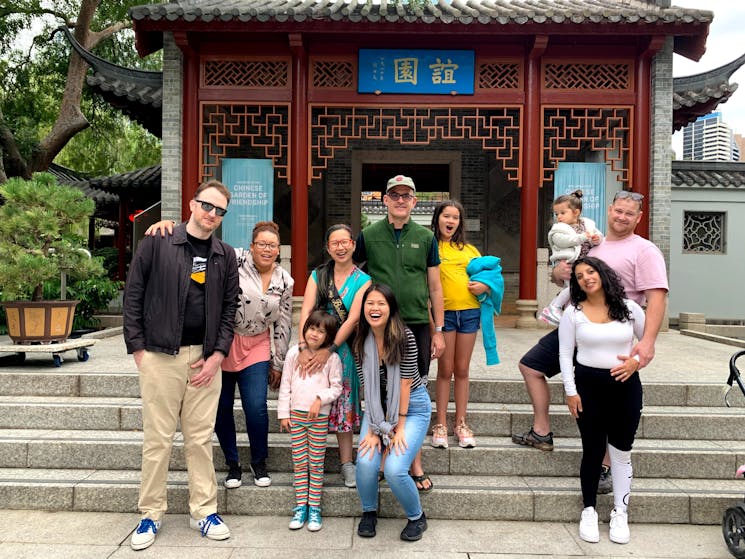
(724, 44)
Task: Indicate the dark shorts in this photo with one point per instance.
(544, 356)
(466, 321)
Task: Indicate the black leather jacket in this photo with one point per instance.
(156, 292)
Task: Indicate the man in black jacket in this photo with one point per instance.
(179, 313)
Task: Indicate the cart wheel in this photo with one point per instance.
(57, 360)
(83, 354)
(733, 530)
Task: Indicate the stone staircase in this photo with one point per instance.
(72, 441)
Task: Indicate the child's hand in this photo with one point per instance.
(285, 425)
(477, 288)
(596, 238)
(315, 408)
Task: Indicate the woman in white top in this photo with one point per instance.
(603, 391)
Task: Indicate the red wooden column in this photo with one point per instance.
(641, 149)
(190, 172)
(532, 153)
(299, 161)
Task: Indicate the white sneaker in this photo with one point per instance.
(619, 527)
(551, 315)
(348, 474)
(144, 535)
(588, 525)
(439, 436)
(211, 526)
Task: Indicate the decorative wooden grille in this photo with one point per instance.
(246, 73)
(244, 130)
(703, 232)
(337, 74)
(497, 129)
(498, 76)
(587, 76)
(606, 129)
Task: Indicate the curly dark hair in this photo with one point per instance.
(611, 284)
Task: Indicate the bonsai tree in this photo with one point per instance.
(43, 228)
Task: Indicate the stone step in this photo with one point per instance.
(508, 391)
(463, 497)
(117, 450)
(500, 419)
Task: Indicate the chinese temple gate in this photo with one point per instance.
(551, 82)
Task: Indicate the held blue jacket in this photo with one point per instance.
(488, 270)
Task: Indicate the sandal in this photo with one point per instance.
(381, 476)
(420, 481)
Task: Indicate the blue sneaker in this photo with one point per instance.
(211, 527)
(300, 515)
(144, 536)
(314, 519)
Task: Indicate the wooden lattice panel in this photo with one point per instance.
(336, 74)
(246, 73)
(498, 130)
(498, 75)
(587, 76)
(571, 130)
(243, 130)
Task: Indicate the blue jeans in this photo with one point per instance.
(396, 467)
(252, 385)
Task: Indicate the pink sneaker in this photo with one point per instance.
(465, 435)
(439, 436)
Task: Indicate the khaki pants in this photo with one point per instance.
(167, 397)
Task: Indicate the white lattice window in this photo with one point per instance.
(704, 233)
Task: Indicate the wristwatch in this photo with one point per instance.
(438, 328)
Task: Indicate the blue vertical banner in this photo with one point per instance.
(251, 185)
(590, 179)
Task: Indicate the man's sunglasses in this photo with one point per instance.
(207, 207)
(623, 194)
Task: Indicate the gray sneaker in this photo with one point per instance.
(605, 485)
(348, 475)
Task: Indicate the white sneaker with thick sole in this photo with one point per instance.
(144, 535)
(211, 527)
(619, 527)
(588, 525)
(348, 474)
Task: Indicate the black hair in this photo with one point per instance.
(324, 320)
(612, 287)
(326, 270)
(574, 200)
(459, 235)
(394, 338)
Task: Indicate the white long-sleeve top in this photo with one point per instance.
(598, 344)
(298, 393)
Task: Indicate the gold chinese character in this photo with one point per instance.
(406, 70)
(443, 72)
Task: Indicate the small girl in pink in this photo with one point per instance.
(303, 408)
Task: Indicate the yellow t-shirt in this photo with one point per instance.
(454, 278)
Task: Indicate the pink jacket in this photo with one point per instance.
(296, 393)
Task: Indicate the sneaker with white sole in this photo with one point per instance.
(144, 535)
(348, 474)
(439, 436)
(619, 527)
(588, 525)
(605, 483)
(551, 315)
(233, 479)
(314, 519)
(211, 526)
(299, 516)
(465, 435)
(261, 476)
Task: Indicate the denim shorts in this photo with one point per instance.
(466, 321)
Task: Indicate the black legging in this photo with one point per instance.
(610, 413)
(423, 338)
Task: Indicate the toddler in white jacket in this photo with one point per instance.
(571, 237)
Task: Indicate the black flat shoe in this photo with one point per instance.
(366, 527)
(414, 529)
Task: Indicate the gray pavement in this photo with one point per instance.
(93, 535)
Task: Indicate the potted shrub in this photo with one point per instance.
(43, 229)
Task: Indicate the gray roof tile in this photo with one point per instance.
(708, 174)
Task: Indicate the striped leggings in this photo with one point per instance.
(308, 442)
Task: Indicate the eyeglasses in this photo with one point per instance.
(262, 245)
(207, 207)
(396, 196)
(623, 194)
(343, 243)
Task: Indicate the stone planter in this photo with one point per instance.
(39, 321)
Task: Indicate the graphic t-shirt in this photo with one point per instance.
(194, 318)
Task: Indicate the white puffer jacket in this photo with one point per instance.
(566, 243)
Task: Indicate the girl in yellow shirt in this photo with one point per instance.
(462, 321)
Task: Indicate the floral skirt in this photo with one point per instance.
(346, 411)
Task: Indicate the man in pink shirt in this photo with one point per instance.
(641, 267)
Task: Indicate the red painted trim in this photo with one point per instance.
(299, 149)
(580, 97)
(532, 155)
(245, 95)
(125, 228)
(190, 177)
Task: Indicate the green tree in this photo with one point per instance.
(45, 110)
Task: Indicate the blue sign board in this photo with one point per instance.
(251, 185)
(416, 71)
(590, 179)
